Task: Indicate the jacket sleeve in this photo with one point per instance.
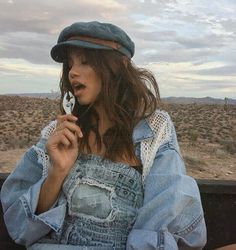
(171, 216)
(19, 197)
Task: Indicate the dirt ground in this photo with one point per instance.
(203, 161)
(9, 159)
(206, 133)
(208, 161)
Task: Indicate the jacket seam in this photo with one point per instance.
(191, 227)
(177, 151)
(161, 241)
(169, 146)
(31, 216)
(32, 158)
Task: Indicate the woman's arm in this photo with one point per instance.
(19, 197)
(171, 216)
(62, 148)
(29, 195)
(49, 191)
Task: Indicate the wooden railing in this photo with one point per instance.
(219, 204)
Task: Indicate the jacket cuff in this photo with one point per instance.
(53, 217)
(140, 239)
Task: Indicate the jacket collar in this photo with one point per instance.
(142, 131)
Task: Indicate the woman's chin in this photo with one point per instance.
(87, 101)
(83, 102)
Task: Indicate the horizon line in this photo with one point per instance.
(38, 93)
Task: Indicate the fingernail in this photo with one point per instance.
(80, 134)
(75, 118)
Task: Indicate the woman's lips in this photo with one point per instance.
(78, 88)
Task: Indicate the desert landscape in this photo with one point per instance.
(206, 133)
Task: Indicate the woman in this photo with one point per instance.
(109, 175)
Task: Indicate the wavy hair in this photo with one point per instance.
(125, 96)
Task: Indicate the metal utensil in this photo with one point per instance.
(68, 102)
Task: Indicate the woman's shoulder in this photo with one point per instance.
(156, 124)
(160, 120)
(163, 136)
(160, 115)
(163, 130)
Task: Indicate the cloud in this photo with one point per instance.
(20, 76)
(22, 67)
(29, 33)
(49, 16)
(33, 47)
(185, 78)
(185, 42)
(227, 71)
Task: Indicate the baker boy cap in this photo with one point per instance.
(92, 35)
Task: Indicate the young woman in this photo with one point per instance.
(109, 175)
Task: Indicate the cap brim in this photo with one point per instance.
(58, 52)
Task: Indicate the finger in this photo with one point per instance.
(67, 117)
(76, 141)
(72, 137)
(64, 141)
(63, 118)
(72, 127)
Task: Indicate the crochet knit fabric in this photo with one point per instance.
(159, 122)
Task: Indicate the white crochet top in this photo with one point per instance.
(159, 122)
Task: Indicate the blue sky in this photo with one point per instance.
(188, 44)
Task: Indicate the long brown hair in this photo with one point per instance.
(124, 95)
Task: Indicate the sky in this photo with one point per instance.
(189, 45)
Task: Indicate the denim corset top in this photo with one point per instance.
(102, 202)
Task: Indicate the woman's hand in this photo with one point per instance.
(62, 145)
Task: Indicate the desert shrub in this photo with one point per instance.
(193, 163)
(229, 146)
(193, 136)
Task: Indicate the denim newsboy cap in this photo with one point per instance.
(92, 35)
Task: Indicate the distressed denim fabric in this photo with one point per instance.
(103, 199)
(171, 216)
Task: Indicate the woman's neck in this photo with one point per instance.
(104, 121)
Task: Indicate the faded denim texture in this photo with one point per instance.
(97, 209)
(103, 200)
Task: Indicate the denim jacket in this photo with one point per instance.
(171, 216)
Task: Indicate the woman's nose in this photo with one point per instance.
(74, 71)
